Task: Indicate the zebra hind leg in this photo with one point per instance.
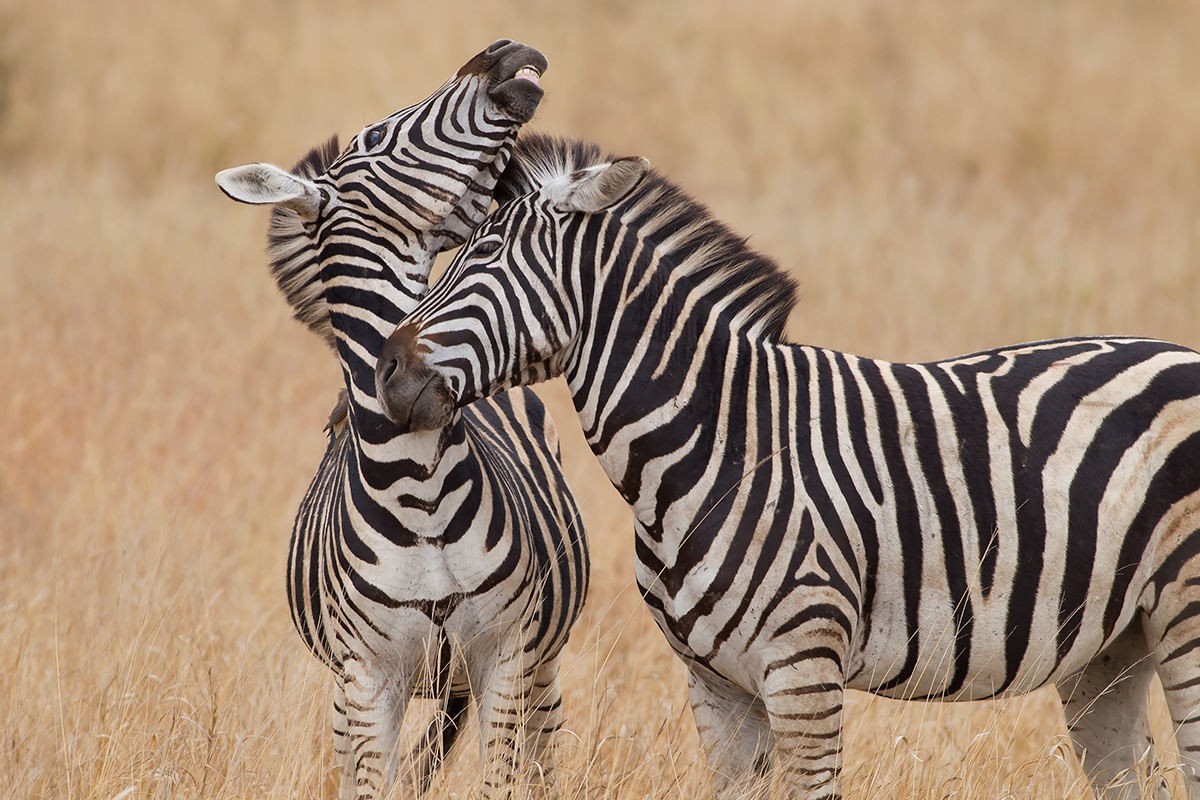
(1105, 707)
(1174, 630)
(735, 736)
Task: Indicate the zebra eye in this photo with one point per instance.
(486, 247)
(373, 137)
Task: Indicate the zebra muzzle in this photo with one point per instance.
(513, 71)
(412, 394)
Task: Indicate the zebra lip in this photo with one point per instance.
(520, 79)
(518, 97)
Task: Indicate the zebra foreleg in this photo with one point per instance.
(735, 736)
(543, 720)
(368, 707)
(504, 705)
(1105, 706)
(343, 747)
(803, 699)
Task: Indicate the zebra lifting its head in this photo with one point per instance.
(808, 520)
(421, 180)
(448, 563)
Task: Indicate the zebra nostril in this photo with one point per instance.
(387, 370)
(498, 44)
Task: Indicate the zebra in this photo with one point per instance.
(442, 563)
(809, 521)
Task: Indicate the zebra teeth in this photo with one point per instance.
(529, 73)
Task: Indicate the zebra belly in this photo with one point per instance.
(935, 673)
(957, 655)
(941, 659)
(936, 662)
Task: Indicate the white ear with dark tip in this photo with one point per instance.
(266, 184)
(597, 188)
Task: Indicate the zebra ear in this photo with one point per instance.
(260, 184)
(596, 188)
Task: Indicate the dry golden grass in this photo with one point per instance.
(941, 176)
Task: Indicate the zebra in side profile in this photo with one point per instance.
(809, 521)
(441, 563)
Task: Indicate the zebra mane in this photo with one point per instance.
(752, 286)
(538, 159)
(293, 253)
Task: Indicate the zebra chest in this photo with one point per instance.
(440, 579)
(427, 607)
(365, 586)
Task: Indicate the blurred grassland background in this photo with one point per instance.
(940, 176)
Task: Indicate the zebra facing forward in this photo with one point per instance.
(809, 521)
(443, 563)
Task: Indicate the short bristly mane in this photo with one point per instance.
(293, 253)
(751, 286)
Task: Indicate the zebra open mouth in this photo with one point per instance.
(529, 73)
(517, 96)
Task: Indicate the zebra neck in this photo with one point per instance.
(672, 416)
(365, 304)
(386, 453)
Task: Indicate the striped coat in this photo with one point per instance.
(809, 521)
(444, 563)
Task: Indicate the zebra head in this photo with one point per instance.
(407, 187)
(506, 312)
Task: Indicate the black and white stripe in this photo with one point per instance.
(447, 563)
(809, 521)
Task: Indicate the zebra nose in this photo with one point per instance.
(411, 393)
(387, 369)
(497, 45)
